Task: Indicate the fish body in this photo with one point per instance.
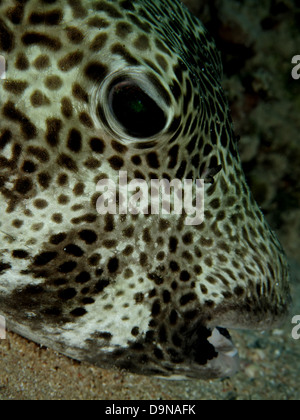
(93, 88)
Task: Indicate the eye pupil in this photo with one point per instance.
(139, 115)
(137, 106)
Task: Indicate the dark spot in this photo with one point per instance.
(98, 22)
(67, 294)
(67, 162)
(100, 285)
(181, 170)
(116, 162)
(16, 14)
(99, 42)
(118, 147)
(127, 5)
(73, 250)
(5, 138)
(66, 107)
(52, 17)
(88, 236)
(156, 278)
(119, 49)
(44, 180)
(57, 218)
(139, 297)
(42, 62)
(16, 87)
(109, 223)
(109, 9)
(162, 334)
(4, 267)
(113, 265)
(6, 37)
(53, 82)
(40, 204)
(187, 239)
(185, 276)
(136, 160)
(20, 253)
(22, 62)
(63, 199)
(36, 38)
(58, 238)
(78, 189)
(135, 331)
(146, 235)
(189, 297)
(44, 258)
(74, 35)
(52, 134)
(12, 113)
(17, 223)
(97, 145)
(142, 43)
(104, 335)
(239, 291)
(38, 152)
(83, 277)
(158, 354)
(78, 312)
(87, 300)
(96, 71)
(152, 160)
(70, 61)
(79, 93)
(173, 242)
(123, 29)
(155, 308)
(166, 296)
(174, 266)
(86, 120)
(67, 267)
(38, 99)
(74, 140)
(23, 185)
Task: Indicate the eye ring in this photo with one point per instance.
(131, 107)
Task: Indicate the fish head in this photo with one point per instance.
(100, 90)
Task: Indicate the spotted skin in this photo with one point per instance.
(136, 292)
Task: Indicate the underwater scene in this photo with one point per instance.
(149, 200)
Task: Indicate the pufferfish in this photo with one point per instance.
(92, 88)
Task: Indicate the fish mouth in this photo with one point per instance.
(222, 359)
(227, 362)
(216, 357)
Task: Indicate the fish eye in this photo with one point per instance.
(137, 113)
(133, 106)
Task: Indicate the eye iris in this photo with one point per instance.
(137, 112)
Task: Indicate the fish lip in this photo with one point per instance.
(227, 363)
